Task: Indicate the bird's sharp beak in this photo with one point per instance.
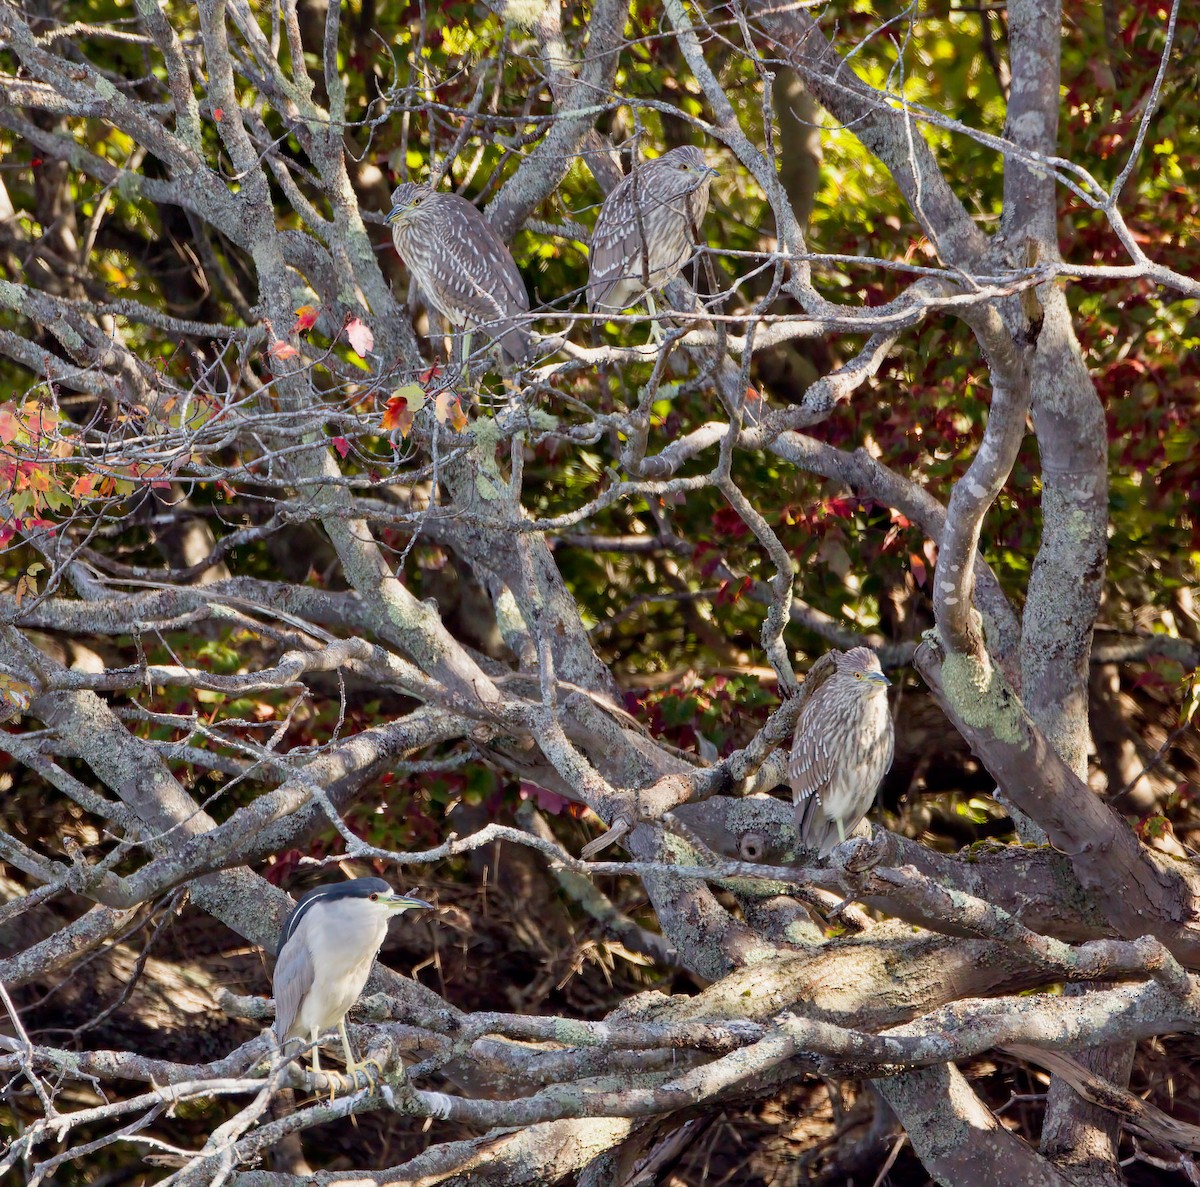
(711, 171)
(404, 902)
(393, 214)
(879, 678)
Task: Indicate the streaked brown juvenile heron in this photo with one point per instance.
(326, 949)
(463, 269)
(646, 230)
(842, 747)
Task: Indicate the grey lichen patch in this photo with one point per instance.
(489, 490)
(487, 436)
(509, 618)
(11, 295)
(678, 851)
(489, 482)
(68, 337)
(981, 697)
(574, 1034)
(524, 13)
(105, 89)
(129, 185)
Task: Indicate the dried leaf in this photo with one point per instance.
(448, 409)
(282, 350)
(360, 337)
(15, 696)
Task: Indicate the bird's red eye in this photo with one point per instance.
(374, 898)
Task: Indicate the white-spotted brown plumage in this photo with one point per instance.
(462, 267)
(646, 229)
(842, 747)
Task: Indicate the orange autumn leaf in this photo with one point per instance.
(403, 404)
(397, 417)
(39, 480)
(282, 350)
(449, 410)
(306, 318)
(83, 486)
(9, 425)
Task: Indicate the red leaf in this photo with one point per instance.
(403, 404)
(282, 350)
(919, 572)
(727, 522)
(218, 113)
(306, 317)
(730, 593)
(548, 801)
(341, 445)
(841, 508)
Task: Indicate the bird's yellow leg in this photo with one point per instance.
(316, 1067)
(461, 343)
(466, 358)
(353, 1067)
(656, 332)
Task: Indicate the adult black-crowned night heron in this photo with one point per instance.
(463, 269)
(842, 746)
(646, 230)
(326, 949)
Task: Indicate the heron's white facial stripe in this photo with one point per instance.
(300, 914)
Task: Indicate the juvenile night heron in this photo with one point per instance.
(646, 230)
(842, 747)
(463, 269)
(326, 949)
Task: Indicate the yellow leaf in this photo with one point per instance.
(448, 410)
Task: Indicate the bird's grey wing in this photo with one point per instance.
(484, 258)
(810, 769)
(810, 764)
(617, 250)
(490, 292)
(292, 979)
(501, 264)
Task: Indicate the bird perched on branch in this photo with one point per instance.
(463, 269)
(647, 230)
(842, 747)
(326, 949)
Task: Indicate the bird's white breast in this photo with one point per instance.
(343, 948)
